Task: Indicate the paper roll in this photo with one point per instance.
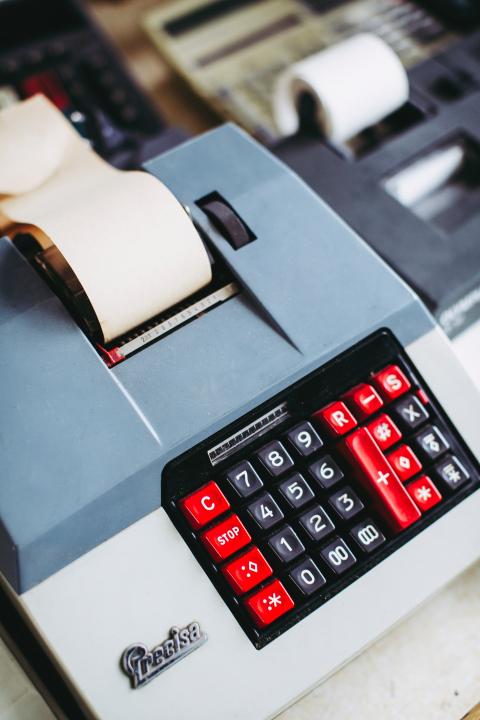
(354, 85)
(128, 240)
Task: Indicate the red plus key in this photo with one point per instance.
(404, 462)
(269, 604)
(384, 431)
(204, 505)
(225, 538)
(391, 383)
(337, 418)
(379, 479)
(247, 571)
(363, 401)
(424, 493)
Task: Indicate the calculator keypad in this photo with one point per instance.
(322, 494)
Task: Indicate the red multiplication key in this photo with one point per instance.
(204, 505)
(225, 538)
(363, 401)
(404, 462)
(336, 418)
(391, 383)
(384, 431)
(424, 493)
(247, 571)
(377, 476)
(49, 84)
(269, 604)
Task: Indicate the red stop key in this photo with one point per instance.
(379, 479)
(225, 538)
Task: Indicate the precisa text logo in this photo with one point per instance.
(143, 666)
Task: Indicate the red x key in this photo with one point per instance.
(377, 476)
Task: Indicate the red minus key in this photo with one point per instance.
(269, 604)
(379, 479)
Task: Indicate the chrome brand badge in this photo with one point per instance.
(143, 666)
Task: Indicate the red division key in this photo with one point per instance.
(377, 476)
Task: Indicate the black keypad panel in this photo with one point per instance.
(291, 503)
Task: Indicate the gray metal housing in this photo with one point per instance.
(82, 447)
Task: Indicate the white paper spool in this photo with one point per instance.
(354, 84)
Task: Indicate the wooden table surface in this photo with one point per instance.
(428, 666)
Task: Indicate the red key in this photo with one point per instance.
(391, 382)
(404, 462)
(423, 396)
(385, 432)
(363, 400)
(225, 538)
(424, 493)
(49, 84)
(337, 418)
(204, 505)
(379, 479)
(269, 604)
(247, 571)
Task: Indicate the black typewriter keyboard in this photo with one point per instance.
(298, 499)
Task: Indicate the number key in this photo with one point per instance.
(326, 471)
(265, 511)
(296, 491)
(286, 544)
(346, 503)
(244, 479)
(367, 535)
(304, 438)
(307, 577)
(339, 556)
(317, 523)
(275, 458)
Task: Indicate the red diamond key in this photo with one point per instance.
(404, 462)
(377, 476)
(269, 604)
(247, 571)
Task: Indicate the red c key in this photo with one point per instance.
(379, 479)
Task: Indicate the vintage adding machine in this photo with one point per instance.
(261, 483)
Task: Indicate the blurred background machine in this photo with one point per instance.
(410, 183)
(55, 48)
